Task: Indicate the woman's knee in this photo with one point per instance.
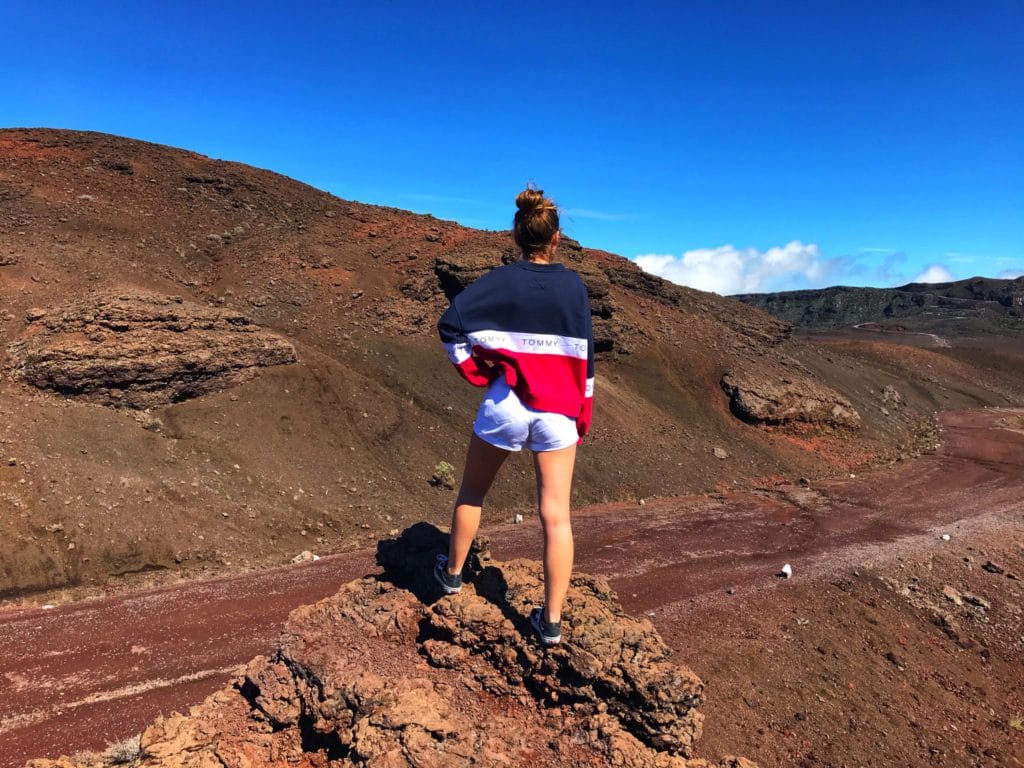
(555, 517)
(470, 496)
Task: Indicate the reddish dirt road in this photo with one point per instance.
(84, 675)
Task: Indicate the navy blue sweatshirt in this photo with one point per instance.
(531, 324)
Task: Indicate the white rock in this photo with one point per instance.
(517, 519)
(945, 537)
(787, 571)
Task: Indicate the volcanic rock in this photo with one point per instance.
(952, 594)
(458, 269)
(142, 350)
(792, 399)
(389, 673)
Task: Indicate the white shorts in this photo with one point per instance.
(504, 422)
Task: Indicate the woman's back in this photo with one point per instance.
(523, 331)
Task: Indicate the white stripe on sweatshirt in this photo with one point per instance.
(458, 352)
(535, 343)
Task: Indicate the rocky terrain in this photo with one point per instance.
(977, 306)
(208, 367)
(898, 640)
(386, 674)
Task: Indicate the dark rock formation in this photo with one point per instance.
(976, 305)
(792, 399)
(142, 350)
(459, 268)
(1009, 293)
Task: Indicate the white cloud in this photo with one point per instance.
(1011, 274)
(726, 270)
(935, 273)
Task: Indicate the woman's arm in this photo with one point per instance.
(460, 350)
(583, 420)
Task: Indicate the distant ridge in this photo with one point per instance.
(971, 307)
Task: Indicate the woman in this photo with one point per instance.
(523, 331)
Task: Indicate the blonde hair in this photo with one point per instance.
(536, 222)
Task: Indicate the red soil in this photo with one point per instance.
(857, 660)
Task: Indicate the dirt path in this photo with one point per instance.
(938, 341)
(87, 674)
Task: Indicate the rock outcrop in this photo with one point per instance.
(386, 673)
(789, 400)
(142, 350)
(1014, 294)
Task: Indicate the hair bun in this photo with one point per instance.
(531, 199)
(536, 221)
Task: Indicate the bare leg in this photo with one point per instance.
(554, 486)
(483, 461)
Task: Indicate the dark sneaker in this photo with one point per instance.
(449, 583)
(548, 632)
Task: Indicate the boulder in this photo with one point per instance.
(142, 350)
(765, 399)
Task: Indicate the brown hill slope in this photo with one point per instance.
(209, 366)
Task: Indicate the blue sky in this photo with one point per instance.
(733, 146)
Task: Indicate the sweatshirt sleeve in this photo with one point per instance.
(460, 349)
(583, 420)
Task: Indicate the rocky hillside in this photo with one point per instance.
(978, 305)
(207, 366)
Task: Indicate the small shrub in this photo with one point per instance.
(444, 476)
(124, 752)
